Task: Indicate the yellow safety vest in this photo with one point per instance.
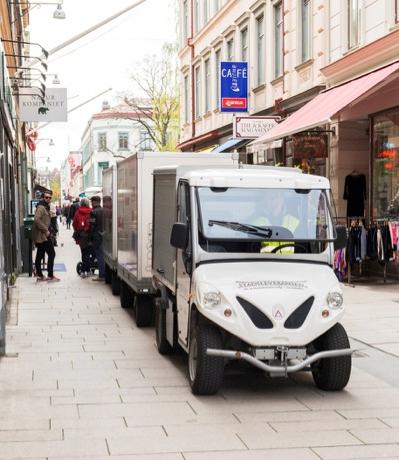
(289, 222)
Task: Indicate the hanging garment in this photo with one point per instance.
(363, 242)
(387, 242)
(380, 246)
(372, 242)
(355, 194)
(340, 267)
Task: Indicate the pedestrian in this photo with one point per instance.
(74, 207)
(41, 237)
(96, 235)
(53, 225)
(67, 217)
(81, 226)
(58, 212)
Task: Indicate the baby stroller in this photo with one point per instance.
(93, 265)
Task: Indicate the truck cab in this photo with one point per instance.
(251, 275)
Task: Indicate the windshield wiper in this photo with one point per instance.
(246, 228)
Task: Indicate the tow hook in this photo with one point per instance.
(282, 356)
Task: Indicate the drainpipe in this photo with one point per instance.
(190, 44)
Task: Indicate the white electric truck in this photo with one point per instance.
(242, 265)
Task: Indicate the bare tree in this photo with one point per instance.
(156, 78)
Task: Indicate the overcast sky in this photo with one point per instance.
(100, 60)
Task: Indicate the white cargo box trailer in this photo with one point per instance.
(133, 232)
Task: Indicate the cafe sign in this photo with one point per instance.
(247, 127)
(310, 145)
(53, 107)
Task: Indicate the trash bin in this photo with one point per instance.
(28, 224)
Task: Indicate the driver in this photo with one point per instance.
(272, 211)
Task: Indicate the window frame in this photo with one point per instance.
(186, 95)
(244, 35)
(198, 93)
(230, 49)
(353, 43)
(218, 60)
(121, 135)
(260, 50)
(306, 33)
(102, 146)
(208, 79)
(278, 26)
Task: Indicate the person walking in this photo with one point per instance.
(96, 235)
(81, 225)
(54, 229)
(41, 236)
(74, 207)
(67, 217)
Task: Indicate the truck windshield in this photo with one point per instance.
(259, 214)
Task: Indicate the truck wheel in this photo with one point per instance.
(115, 284)
(108, 274)
(332, 374)
(163, 346)
(144, 310)
(205, 372)
(79, 268)
(126, 295)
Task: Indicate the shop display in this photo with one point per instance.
(355, 193)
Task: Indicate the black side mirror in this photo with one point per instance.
(179, 236)
(342, 237)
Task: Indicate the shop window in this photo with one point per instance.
(385, 199)
(308, 152)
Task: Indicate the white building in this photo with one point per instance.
(71, 176)
(114, 133)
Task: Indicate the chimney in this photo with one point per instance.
(105, 106)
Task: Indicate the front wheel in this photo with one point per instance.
(332, 374)
(79, 268)
(144, 310)
(205, 372)
(163, 346)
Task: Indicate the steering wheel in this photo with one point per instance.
(289, 245)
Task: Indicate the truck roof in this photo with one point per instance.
(245, 176)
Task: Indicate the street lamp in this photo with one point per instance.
(59, 13)
(51, 143)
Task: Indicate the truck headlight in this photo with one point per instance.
(209, 296)
(335, 300)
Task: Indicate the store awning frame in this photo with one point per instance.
(229, 144)
(329, 103)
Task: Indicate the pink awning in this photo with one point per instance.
(325, 106)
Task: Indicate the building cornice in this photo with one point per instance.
(242, 19)
(380, 52)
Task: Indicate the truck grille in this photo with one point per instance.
(298, 316)
(260, 320)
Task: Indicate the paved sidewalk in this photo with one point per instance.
(81, 381)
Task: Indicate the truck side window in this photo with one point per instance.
(183, 216)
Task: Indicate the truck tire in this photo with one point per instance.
(115, 283)
(79, 268)
(205, 372)
(144, 310)
(108, 275)
(126, 295)
(332, 374)
(163, 346)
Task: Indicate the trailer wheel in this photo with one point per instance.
(144, 310)
(332, 374)
(205, 372)
(108, 275)
(163, 346)
(126, 295)
(115, 283)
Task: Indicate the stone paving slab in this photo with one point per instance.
(86, 383)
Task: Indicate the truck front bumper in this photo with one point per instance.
(285, 368)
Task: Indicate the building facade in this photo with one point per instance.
(112, 134)
(71, 176)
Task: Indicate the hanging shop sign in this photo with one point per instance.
(310, 145)
(246, 127)
(234, 86)
(54, 108)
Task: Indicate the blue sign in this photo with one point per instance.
(234, 86)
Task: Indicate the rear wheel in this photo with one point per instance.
(115, 283)
(108, 274)
(126, 295)
(205, 372)
(79, 268)
(332, 374)
(144, 310)
(163, 345)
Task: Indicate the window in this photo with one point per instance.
(353, 23)
(207, 86)
(196, 16)
(217, 73)
(216, 6)
(102, 142)
(260, 50)
(305, 30)
(230, 50)
(205, 11)
(145, 140)
(244, 44)
(197, 92)
(123, 141)
(278, 40)
(185, 23)
(186, 99)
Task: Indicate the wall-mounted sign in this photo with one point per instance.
(246, 127)
(310, 145)
(234, 87)
(31, 108)
(103, 164)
